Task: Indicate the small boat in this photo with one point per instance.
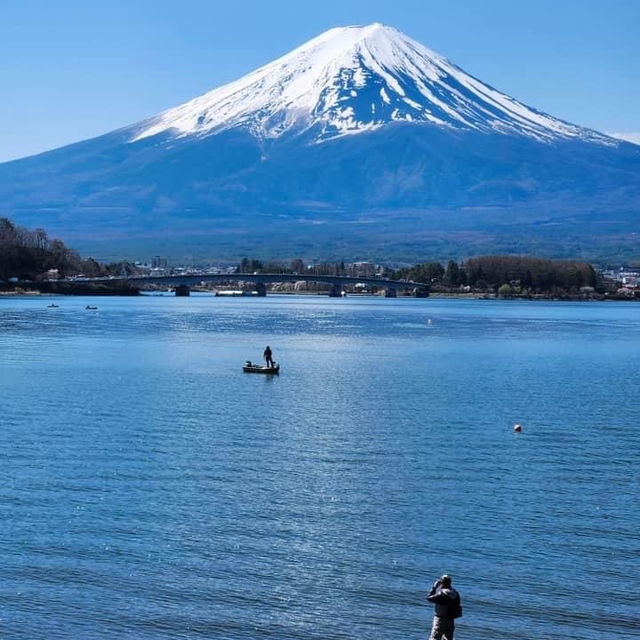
(249, 367)
(227, 293)
(91, 308)
(53, 306)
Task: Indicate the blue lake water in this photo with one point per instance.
(150, 490)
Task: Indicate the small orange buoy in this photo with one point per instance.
(517, 427)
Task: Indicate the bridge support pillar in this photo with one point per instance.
(335, 291)
(421, 292)
(182, 291)
(391, 293)
(261, 289)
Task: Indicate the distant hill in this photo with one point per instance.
(361, 142)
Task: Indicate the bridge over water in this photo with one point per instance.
(183, 283)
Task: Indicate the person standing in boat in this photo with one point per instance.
(268, 356)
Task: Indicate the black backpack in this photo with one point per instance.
(457, 608)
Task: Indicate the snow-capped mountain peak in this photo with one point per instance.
(354, 79)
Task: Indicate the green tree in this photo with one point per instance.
(505, 291)
(452, 274)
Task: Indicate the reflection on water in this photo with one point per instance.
(150, 489)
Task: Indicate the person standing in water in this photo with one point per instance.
(268, 356)
(448, 608)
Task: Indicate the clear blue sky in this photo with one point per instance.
(73, 69)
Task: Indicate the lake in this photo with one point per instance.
(151, 490)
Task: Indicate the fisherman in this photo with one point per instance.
(448, 608)
(268, 356)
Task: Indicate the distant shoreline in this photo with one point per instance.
(71, 289)
(440, 295)
(534, 298)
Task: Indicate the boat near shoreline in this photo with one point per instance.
(236, 293)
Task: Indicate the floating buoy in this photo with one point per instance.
(517, 427)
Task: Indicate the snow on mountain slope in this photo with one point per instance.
(354, 79)
(627, 136)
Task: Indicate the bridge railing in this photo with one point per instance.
(191, 278)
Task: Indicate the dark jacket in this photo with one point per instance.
(446, 599)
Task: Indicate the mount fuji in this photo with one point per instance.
(360, 142)
(355, 79)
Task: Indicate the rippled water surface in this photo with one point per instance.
(149, 489)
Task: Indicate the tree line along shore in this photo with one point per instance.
(31, 256)
(480, 277)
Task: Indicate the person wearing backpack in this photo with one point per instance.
(447, 609)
